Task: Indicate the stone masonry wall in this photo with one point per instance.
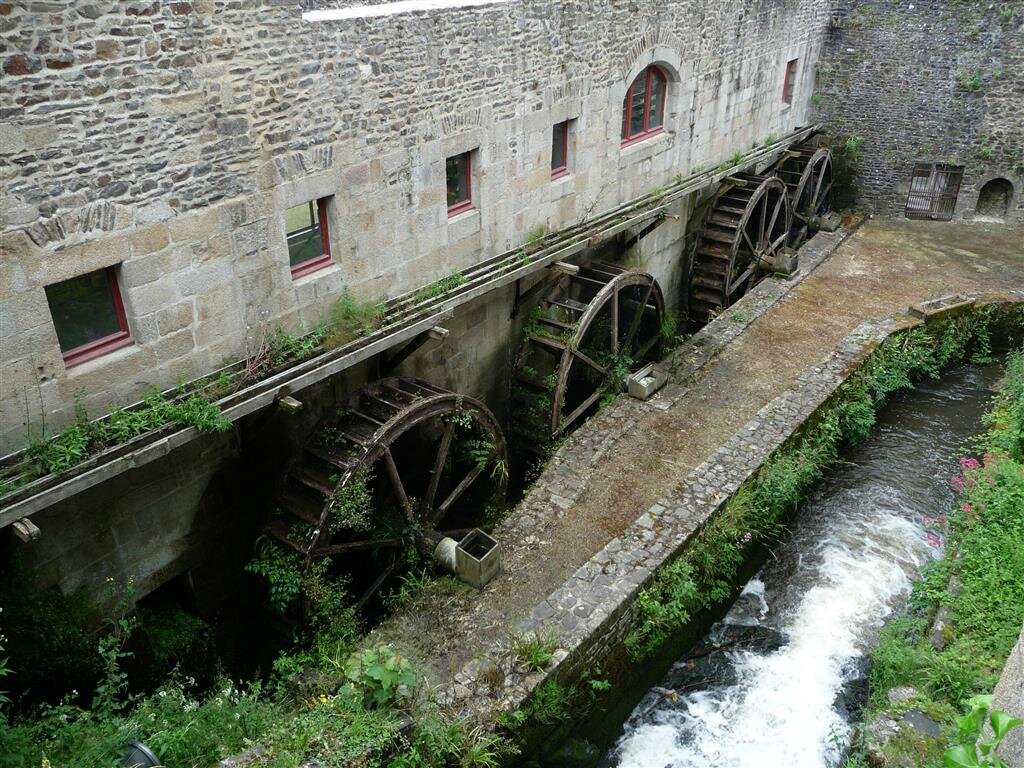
(152, 524)
(937, 80)
(167, 137)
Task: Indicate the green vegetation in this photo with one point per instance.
(973, 751)
(534, 238)
(703, 575)
(348, 704)
(86, 438)
(977, 581)
(985, 150)
(968, 81)
(845, 169)
(534, 650)
(444, 285)
(739, 316)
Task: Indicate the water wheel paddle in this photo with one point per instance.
(747, 225)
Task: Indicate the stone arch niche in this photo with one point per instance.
(994, 199)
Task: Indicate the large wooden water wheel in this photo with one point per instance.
(589, 331)
(807, 173)
(381, 482)
(746, 227)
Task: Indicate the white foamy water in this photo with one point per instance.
(847, 564)
(781, 713)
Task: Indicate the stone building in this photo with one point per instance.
(180, 176)
(928, 97)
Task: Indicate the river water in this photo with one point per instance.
(768, 687)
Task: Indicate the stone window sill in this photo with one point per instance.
(463, 224)
(562, 186)
(642, 150)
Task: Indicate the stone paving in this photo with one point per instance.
(461, 637)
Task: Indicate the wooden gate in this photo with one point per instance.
(933, 191)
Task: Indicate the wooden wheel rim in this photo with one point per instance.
(607, 295)
(421, 411)
(761, 233)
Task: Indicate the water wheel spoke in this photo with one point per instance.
(438, 469)
(739, 281)
(638, 316)
(589, 361)
(750, 245)
(777, 242)
(763, 205)
(357, 546)
(775, 215)
(397, 486)
(615, 323)
(824, 195)
(460, 489)
(817, 187)
(384, 575)
(580, 409)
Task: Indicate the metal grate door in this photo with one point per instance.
(933, 191)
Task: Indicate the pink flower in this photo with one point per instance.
(956, 483)
(967, 508)
(746, 537)
(968, 462)
(933, 540)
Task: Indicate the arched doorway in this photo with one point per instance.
(994, 199)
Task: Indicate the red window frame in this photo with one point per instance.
(627, 103)
(317, 262)
(789, 81)
(558, 171)
(121, 338)
(467, 203)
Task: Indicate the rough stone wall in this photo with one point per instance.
(167, 137)
(153, 524)
(937, 80)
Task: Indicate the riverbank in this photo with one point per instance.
(965, 612)
(790, 651)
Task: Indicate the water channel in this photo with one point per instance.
(771, 684)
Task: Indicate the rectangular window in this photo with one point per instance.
(309, 244)
(933, 191)
(459, 178)
(88, 315)
(789, 83)
(560, 150)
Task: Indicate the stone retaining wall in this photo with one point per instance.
(594, 610)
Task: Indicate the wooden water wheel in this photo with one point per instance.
(406, 464)
(589, 330)
(746, 227)
(807, 173)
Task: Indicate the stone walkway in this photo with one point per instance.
(631, 454)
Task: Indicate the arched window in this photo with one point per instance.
(643, 111)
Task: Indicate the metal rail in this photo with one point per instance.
(407, 316)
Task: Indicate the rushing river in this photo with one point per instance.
(795, 639)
